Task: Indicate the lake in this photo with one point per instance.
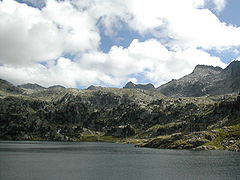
(31, 160)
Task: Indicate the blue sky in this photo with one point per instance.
(230, 15)
(78, 43)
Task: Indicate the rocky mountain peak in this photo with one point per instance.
(205, 80)
(233, 68)
(130, 84)
(203, 70)
(31, 86)
(92, 87)
(139, 86)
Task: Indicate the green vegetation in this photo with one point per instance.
(145, 118)
(227, 138)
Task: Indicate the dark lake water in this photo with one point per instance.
(102, 161)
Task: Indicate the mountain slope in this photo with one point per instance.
(205, 80)
(124, 114)
(6, 86)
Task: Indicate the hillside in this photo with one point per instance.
(7, 87)
(125, 115)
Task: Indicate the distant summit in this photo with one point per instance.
(131, 85)
(205, 80)
(92, 87)
(31, 86)
(204, 70)
(37, 87)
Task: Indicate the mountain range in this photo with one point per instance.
(198, 111)
(203, 81)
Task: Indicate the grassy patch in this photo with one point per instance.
(225, 135)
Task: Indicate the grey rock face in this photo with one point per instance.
(31, 86)
(139, 86)
(8, 87)
(205, 80)
(92, 87)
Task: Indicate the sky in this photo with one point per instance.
(78, 43)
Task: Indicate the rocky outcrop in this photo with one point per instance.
(131, 85)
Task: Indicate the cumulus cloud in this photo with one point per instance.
(109, 15)
(183, 23)
(34, 43)
(114, 68)
(61, 71)
(31, 35)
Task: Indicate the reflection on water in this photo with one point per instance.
(71, 161)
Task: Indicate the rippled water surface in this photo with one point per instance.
(102, 161)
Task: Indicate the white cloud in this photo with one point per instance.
(24, 35)
(29, 36)
(114, 68)
(236, 51)
(186, 23)
(108, 14)
(77, 28)
(203, 30)
(121, 62)
(62, 71)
